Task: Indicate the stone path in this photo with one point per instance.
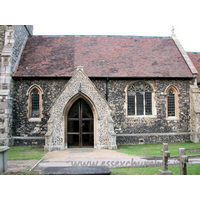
(87, 157)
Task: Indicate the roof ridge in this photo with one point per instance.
(141, 36)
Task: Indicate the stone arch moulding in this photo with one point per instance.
(32, 87)
(80, 86)
(174, 88)
(94, 111)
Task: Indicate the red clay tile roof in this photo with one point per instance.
(195, 58)
(102, 56)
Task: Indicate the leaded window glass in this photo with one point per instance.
(139, 99)
(35, 104)
(140, 103)
(148, 103)
(131, 102)
(171, 104)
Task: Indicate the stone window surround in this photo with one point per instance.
(176, 95)
(28, 94)
(154, 111)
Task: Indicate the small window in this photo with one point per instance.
(172, 102)
(139, 97)
(34, 103)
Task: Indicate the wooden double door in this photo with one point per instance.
(80, 125)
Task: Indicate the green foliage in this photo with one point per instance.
(191, 170)
(26, 173)
(26, 152)
(155, 149)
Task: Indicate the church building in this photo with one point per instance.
(96, 91)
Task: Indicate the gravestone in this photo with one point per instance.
(166, 154)
(3, 159)
(183, 159)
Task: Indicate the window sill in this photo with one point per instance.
(141, 116)
(172, 118)
(34, 119)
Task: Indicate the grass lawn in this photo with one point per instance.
(155, 149)
(26, 152)
(191, 170)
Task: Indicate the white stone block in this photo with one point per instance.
(7, 111)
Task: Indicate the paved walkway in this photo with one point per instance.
(88, 157)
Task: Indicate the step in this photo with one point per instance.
(97, 170)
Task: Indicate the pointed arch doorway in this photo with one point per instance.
(80, 125)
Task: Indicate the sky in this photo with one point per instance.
(112, 17)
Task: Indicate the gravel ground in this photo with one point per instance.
(15, 166)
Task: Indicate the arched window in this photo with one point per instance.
(35, 100)
(172, 101)
(34, 103)
(139, 96)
